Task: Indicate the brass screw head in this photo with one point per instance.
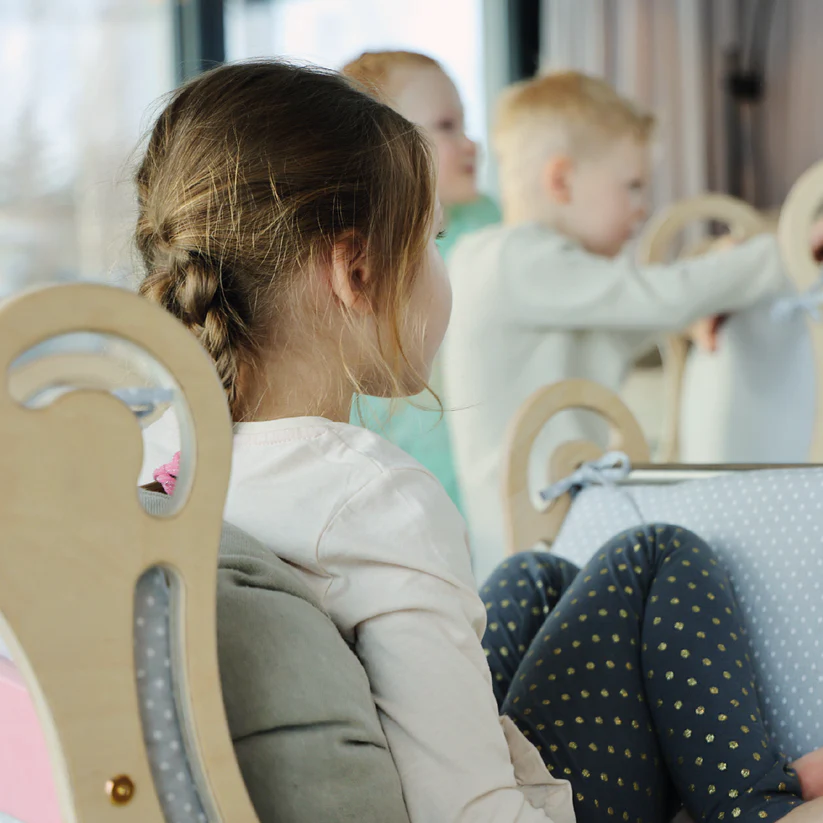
(120, 789)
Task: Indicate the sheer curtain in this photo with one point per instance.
(671, 56)
(792, 112)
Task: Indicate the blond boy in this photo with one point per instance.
(546, 296)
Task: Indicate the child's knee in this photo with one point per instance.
(642, 552)
(528, 569)
(658, 545)
(659, 539)
(666, 541)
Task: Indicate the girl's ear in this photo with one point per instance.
(351, 273)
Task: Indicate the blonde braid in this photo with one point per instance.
(194, 290)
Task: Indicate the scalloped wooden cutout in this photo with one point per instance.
(81, 370)
(801, 209)
(654, 246)
(525, 525)
(78, 540)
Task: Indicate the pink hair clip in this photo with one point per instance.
(166, 475)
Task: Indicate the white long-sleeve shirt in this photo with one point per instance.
(532, 307)
(385, 551)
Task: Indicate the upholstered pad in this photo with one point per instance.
(767, 526)
(753, 401)
(158, 707)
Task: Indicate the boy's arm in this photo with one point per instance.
(704, 333)
(556, 284)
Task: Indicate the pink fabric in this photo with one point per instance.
(166, 475)
(27, 790)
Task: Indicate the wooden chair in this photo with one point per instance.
(37, 379)
(77, 543)
(525, 524)
(655, 246)
(793, 224)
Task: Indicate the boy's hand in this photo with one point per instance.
(726, 241)
(704, 332)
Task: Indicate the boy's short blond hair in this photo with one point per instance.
(373, 69)
(580, 114)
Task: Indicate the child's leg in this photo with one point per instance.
(641, 672)
(518, 597)
(553, 702)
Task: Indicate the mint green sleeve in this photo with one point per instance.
(467, 218)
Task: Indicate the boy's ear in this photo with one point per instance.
(351, 273)
(556, 178)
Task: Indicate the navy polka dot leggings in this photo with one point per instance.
(633, 679)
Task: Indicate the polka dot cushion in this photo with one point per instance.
(767, 526)
(165, 743)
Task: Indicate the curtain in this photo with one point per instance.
(672, 56)
(792, 113)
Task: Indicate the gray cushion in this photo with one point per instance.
(767, 527)
(300, 711)
(165, 743)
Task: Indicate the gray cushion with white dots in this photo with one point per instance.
(165, 744)
(767, 526)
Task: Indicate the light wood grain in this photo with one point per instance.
(76, 540)
(526, 525)
(78, 370)
(655, 246)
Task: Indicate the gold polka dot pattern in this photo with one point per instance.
(633, 678)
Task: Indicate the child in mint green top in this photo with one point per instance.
(417, 87)
(464, 218)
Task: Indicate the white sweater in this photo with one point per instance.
(531, 308)
(383, 548)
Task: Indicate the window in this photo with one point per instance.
(331, 32)
(80, 79)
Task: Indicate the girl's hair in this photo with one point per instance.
(373, 68)
(252, 172)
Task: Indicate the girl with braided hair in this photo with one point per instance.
(289, 220)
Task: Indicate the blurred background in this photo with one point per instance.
(733, 82)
